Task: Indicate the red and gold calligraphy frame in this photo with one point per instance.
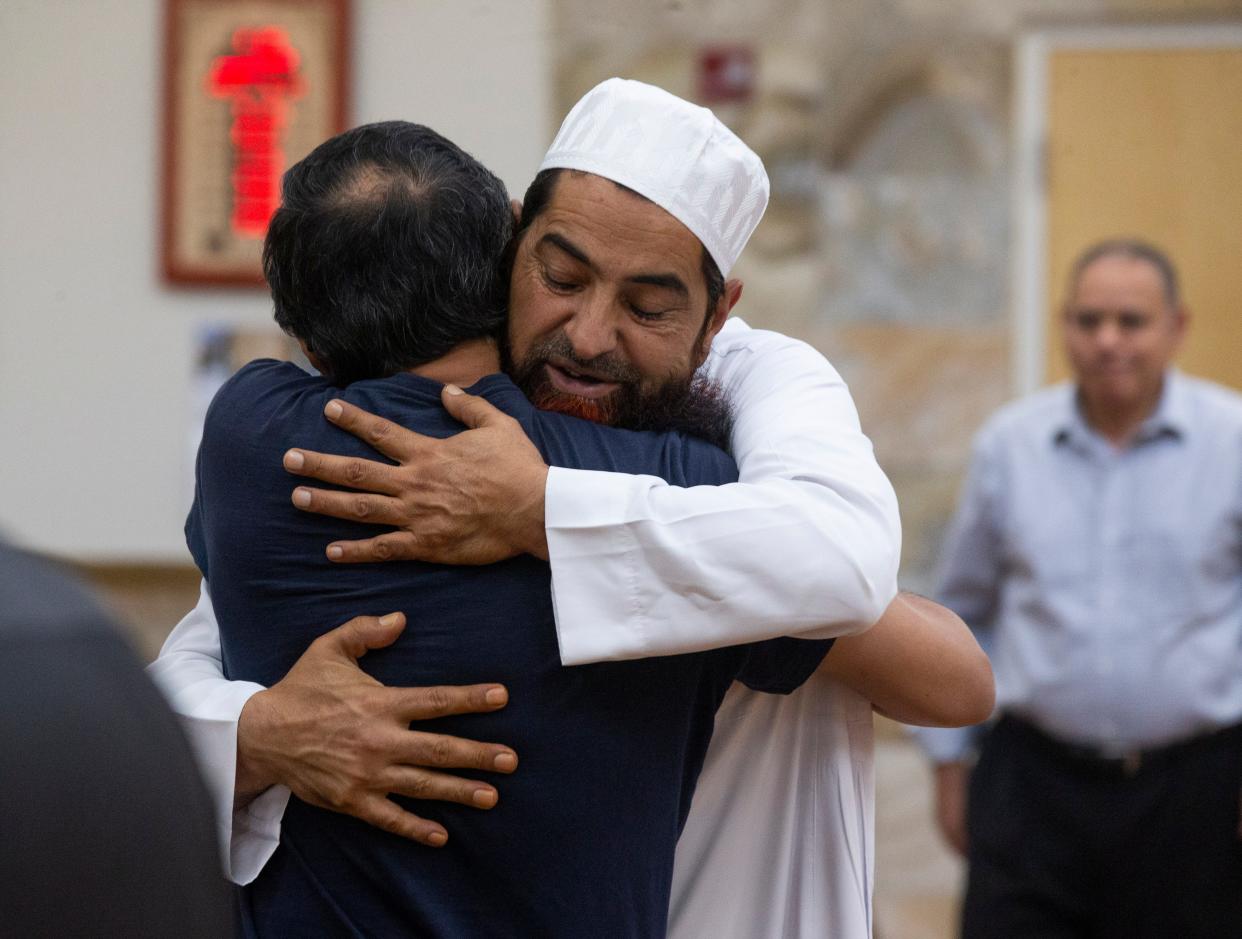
(250, 86)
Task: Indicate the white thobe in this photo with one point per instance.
(806, 543)
(780, 841)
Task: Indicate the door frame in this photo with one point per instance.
(1028, 274)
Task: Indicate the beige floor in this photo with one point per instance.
(916, 876)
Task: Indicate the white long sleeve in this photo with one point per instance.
(190, 672)
(807, 543)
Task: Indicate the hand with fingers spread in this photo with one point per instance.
(474, 498)
(340, 740)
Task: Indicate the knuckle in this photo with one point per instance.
(359, 772)
(439, 751)
(383, 550)
(341, 800)
(419, 786)
(378, 432)
(324, 644)
(355, 471)
(360, 508)
(365, 749)
(438, 699)
(380, 715)
(393, 824)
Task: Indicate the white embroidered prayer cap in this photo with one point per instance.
(677, 154)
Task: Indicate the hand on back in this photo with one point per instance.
(342, 741)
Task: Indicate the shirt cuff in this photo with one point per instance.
(256, 834)
(250, 835)
(588, 543)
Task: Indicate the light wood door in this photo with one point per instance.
(1148, 142)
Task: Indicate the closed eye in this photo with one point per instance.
(646, 314)
(560, 286)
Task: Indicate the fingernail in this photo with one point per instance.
(333, 410)
(390, 620)
(294, 460)
(335, 553)
(505, 762)
(453, 390)
(301, 497)
(437, 839)
(484, 798)
(496, 696)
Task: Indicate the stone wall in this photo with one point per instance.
(885, 126)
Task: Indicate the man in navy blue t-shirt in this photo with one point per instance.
(385, 262)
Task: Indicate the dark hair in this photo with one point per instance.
(387, 250)
(1137, 250)
(539, 194)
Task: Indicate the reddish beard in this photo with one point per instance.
(692, 404)
(599, 410)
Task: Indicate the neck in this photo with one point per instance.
(1119, 423)
(464, 364)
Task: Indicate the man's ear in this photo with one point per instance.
(1181, 320)
(716, 319)
(516, 206)
(728, 300)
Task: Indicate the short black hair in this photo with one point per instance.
(388, 250)
(1136, 250)
(539, 194)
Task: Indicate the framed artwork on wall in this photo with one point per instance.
(250, 86)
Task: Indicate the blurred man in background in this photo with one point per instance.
(1099, 542)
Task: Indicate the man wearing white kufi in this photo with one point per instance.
(614, 300)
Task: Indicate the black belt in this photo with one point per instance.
(1125, 763)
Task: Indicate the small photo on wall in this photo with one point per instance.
(220, 349)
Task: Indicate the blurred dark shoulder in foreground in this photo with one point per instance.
(108, 828)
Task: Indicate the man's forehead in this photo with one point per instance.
(1115, 269)
(1114, 278)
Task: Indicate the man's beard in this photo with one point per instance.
(692, 404)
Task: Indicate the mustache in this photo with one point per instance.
(605, 366)
(691, 403)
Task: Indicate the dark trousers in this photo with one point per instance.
(1063, 845)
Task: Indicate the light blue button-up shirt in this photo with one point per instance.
(1105, 583)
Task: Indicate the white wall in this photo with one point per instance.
(95, 353)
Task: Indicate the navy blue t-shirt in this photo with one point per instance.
(581, 842)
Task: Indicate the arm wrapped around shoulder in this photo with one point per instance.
(919, 664)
